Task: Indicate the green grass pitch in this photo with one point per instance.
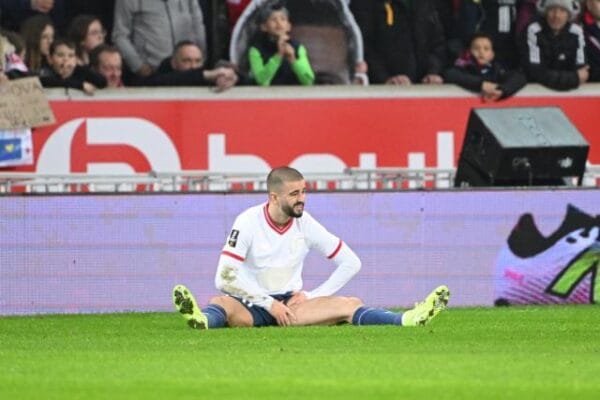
(476, 353)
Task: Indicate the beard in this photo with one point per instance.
(289, 210)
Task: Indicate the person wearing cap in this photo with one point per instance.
(274, 57)
(553, 48)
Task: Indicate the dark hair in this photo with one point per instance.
(98, 50)
(78, 30)
(183, 43)
(279, 175)
(31, 30)
(61, 42)
(481, 35)
(267, 9)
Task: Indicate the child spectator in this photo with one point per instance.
(552, 50)
(498, 19)
(478, 71)
(38, 33)
(87, 32)
(63, 70)
(275, 58)
(591, 29)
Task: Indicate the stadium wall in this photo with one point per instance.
(113, 253)
(250, 130)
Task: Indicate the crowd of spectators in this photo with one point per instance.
(490, 47)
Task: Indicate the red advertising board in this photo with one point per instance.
(251, 135)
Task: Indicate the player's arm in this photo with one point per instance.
(231, 278)
(232, 281)
(348, 264)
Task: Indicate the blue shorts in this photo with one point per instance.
(260, 315)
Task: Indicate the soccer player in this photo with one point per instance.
(260, 271)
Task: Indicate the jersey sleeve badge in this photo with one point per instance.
(233, 237)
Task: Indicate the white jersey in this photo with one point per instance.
(261, 259)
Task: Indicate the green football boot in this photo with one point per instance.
(186, 305)
(425, 311)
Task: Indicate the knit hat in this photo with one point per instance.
(572, 6)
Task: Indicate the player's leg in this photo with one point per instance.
(331, 310)
(421, 314)
(237, 314)
(334, 309)
(221, 311)
(326, 310)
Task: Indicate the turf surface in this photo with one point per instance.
(508, 353)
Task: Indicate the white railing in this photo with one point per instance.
(352, 179)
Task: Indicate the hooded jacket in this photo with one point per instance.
(147, 31)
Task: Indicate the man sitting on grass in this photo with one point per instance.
(260, 271)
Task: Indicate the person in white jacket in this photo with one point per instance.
(146, 32)
(260, 271)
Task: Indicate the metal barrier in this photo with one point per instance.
(352, 179)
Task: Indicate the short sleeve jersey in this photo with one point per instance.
(273, 256)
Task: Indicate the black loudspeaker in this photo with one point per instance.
(520, 146)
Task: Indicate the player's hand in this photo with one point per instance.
(297, 298)
(282, 314)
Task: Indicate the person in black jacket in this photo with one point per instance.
(552, 50)
(498, 19)
(63, 70)
(478, 71)
(186, 68)
(403, 39)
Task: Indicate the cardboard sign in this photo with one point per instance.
(23, 104)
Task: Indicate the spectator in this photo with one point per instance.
(107, 61)
(17, 41)
(15, 12)
(275, 58)
(87, 32)
(12, 52)
(38, 33)
(104, 10)
(404, 40)
(146, 32)
(498, 19)
(478, 71)
(552, 51)
(591, 29)
(63, 70)
(185, 68)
